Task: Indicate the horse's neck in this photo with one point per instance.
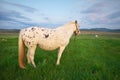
(67, 30)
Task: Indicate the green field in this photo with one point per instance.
(85, 58)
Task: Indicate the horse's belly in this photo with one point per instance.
(46, 46)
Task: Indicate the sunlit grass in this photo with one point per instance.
(85, 58)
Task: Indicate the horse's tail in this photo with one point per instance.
(21, 53)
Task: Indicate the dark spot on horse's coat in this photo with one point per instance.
(23, 40)
(23, 34)
(34, 36)
(46, 35)
(42, 29)
(29, 37)
(33, 29)
(28, 43)
(53, 30)
(25, 29)
(36, 32)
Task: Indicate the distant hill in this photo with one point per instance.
(92, 29)
(9, 30)
(102, 29)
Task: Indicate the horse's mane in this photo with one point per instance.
(68, 24)
(65, 25)
(71, 23)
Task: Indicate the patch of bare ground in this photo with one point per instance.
(99, 32)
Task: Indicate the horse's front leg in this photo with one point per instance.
(61, 49)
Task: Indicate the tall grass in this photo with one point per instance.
(85, 58)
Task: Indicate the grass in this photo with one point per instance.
(85, 58)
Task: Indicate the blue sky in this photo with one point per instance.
(18, 14)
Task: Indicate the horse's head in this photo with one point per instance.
(77, 30)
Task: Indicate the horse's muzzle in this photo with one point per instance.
(77, 32)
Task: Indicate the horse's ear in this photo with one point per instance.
(75, 21)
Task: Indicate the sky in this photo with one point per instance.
(18, 14)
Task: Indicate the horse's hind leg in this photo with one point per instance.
(30, 55)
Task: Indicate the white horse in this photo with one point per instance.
(47, 39)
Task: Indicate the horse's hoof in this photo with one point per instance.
(22, 67)
(57, 64)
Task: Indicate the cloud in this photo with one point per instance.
(23, 7)
(14, 19)
(95, 8)
(114, 15)
(13, 15)
(9, 15)
(102, 14)
(97, 13)
(10, 18)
